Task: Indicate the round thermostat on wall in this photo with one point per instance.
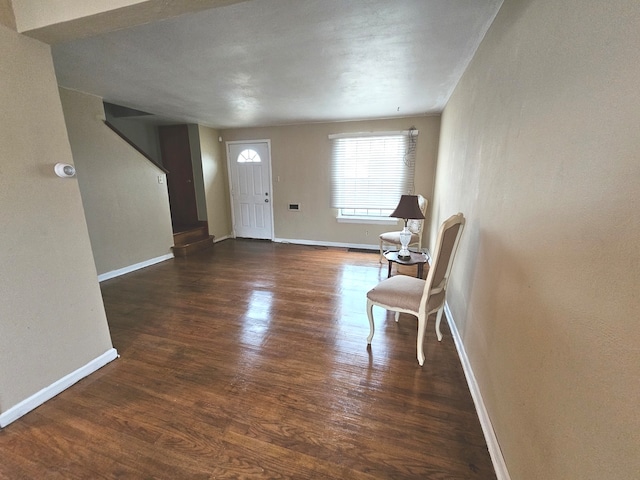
(64, 170)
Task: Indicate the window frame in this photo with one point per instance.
(337, 166)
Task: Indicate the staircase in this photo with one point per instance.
(192, 239)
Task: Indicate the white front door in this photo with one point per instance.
(250, 177)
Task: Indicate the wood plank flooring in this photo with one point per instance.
(249, 360)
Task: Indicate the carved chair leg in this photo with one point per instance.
(422, 325)
(372, 328)
(438, 318)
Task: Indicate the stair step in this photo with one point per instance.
(191, 235)
(192, 247)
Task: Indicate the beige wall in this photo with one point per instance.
(301, 159)
(6, 14)
(142, 134)
(55, 21)
(196, 167)
(540, 149)
(127, 209)
(215, 180)
(33, 14)
(52, 319)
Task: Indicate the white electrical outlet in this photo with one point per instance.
(160, 178)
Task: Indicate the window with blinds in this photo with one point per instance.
(371, 171)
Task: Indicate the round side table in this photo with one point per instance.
(416, 259)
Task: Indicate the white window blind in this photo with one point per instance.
(372, 171)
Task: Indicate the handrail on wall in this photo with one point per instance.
(134, 146)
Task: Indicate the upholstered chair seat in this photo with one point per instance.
(421, 298)
(394, 238)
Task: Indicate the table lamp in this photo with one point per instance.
(408, 208)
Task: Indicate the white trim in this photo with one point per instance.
(228, 144)
(132, 268)
(239, 142)
(375, 248)
(55, 388)
(485, 421)
(334, 136)
(367, 220)
(216, 240)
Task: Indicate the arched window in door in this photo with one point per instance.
(248, 156)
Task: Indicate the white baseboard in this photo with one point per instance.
(216, 239)
(487, 428)
(132, 268)
(55, 388)
(373, 247)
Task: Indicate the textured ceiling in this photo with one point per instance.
(274, 62)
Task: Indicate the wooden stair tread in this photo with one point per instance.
(184, 249)
(192, 234)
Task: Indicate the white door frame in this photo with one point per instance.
(230, 182)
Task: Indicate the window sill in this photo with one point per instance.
(367, 220)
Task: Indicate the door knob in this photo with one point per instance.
(266, 200)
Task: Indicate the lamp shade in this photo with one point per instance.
(408, 208)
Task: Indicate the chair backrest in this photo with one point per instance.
(446, 246)
(416, 226)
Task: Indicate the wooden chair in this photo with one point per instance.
(416, 227)
(419, 297)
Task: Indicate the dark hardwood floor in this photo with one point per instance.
(250, 360)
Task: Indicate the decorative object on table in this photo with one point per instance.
(416, 226)
(419, 297)
(407, 209)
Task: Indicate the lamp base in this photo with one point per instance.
(405, 238)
